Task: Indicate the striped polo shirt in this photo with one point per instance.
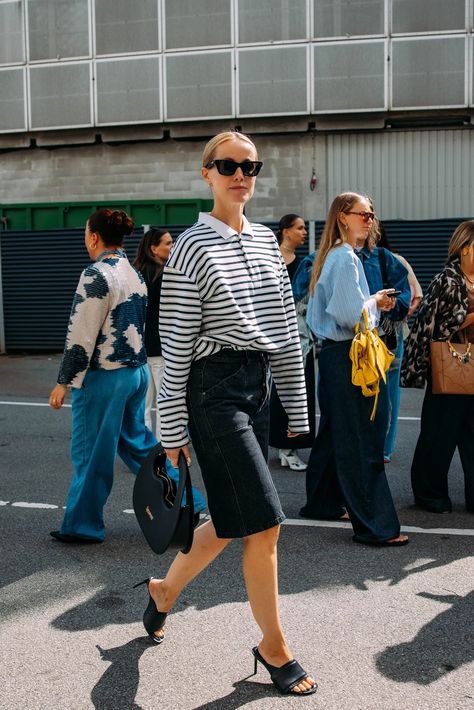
(224, 289)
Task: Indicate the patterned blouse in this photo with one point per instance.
(107, 319)
(442, 311)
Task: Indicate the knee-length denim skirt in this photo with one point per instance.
(228, 395)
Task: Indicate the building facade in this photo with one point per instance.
(112, 101)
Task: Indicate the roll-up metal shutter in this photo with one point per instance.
(40, 271)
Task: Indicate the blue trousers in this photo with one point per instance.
(346, 467)
(393, 387)
(107, 418)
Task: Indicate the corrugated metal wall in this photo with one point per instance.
(410, 174)
(40, 271)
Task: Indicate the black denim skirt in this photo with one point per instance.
(228, 396)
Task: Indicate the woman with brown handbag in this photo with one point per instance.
(447, 420)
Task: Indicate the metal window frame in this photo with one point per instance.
(271, 43)
(200, 47)
(55, 60)
(267, 48)
(424, 33)
(228, 50)
(21, 61)
(140, 52)
(424, 38)
(381, 41)
(344, 38)
(133, 57)
(54, 65)
(22, 69)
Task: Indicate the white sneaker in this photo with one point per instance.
(289, 457)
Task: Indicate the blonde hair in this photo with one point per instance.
(333, 231)
(463, 236)
(211, 147)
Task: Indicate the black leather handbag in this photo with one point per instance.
(158, 504)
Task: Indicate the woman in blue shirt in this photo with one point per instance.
(345, 478)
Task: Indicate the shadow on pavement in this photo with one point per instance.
(117, 687)
(441, 646)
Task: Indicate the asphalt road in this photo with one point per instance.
(387, 629)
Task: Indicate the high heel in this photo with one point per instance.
(290, 458)
(153, 620)
(285, 677)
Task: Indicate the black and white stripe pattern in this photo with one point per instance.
(223, 289)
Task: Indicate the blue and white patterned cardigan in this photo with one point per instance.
(107, 320)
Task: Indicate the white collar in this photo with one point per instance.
(223, 229)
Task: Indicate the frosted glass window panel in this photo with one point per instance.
(128, 90)
(12, 115)
(341, 18)
(428, 72)
(197, 23)
(58, 29)
(60, 96)
(11, 33)
(199, 85)
(273, 81)
(124, 26)
(272, 20)
(349, 77)
(432, 16)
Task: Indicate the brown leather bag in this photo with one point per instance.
(452, 367)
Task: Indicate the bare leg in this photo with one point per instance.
(260, 572)
(206, 547)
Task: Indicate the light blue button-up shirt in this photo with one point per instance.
(339, 297)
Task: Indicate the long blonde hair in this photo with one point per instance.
(333, 231)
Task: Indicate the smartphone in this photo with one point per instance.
(394, 294)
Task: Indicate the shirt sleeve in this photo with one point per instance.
(346, 300)
(180, 325)
(397, 276)
(288, 370)
(89, 310)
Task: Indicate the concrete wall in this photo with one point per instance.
(163, 169)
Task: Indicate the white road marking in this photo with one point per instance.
(289, 521)
(22, 504)
(45, 404)
(404, 528)
(32, 404)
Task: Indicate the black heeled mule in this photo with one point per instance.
(153, 620)
(285, 677)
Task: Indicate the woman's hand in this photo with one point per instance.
(291, 434)
(415, 302)
(173, 455)
(469, 320)
(56, 398)
(384, 301)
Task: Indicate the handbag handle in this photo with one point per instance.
(462, 357)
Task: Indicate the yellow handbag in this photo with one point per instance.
(370, 361)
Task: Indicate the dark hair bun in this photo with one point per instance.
(120, 222)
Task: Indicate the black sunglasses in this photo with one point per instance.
(250, 168)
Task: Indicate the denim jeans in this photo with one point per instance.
(393, 387)
(107, 418)
(228, 395)
(346, 468)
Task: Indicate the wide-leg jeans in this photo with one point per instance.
(346, 467)
(108, 417)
